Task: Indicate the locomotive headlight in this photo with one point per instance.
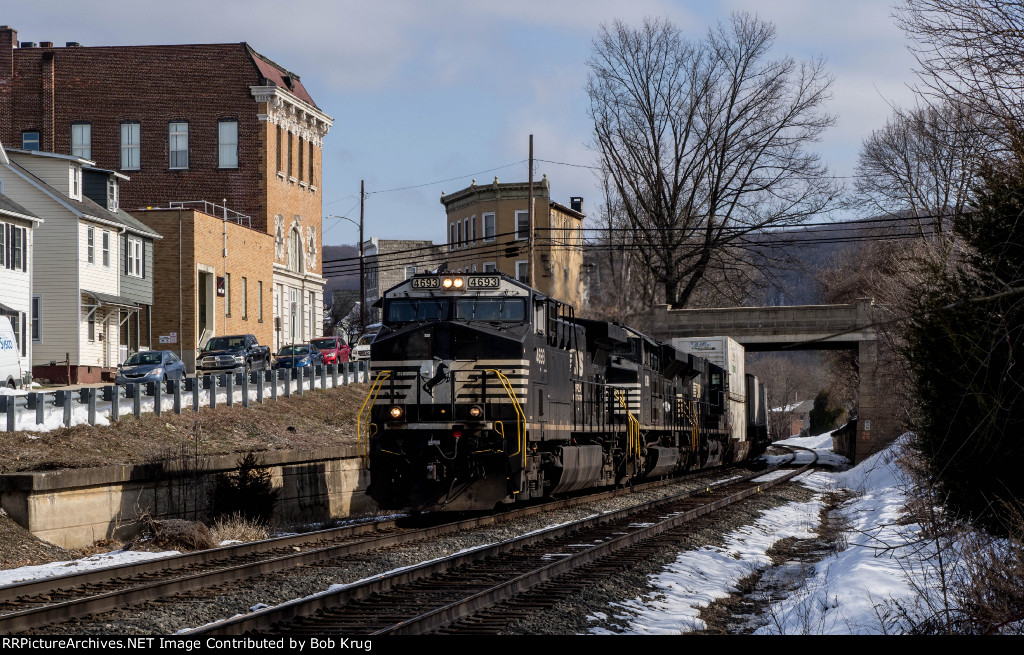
(457, 283)
(475, 411)
(396, 412)
(447, 283)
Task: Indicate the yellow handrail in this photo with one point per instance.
(367, 409)
(520, 434)
(691, 414)
(633, 431)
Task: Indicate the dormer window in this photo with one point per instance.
(112, 194)
(75, 182)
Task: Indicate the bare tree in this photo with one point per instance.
(923, 163)
(705, 143)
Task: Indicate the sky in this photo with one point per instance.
(428, 96)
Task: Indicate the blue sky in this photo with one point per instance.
(427, 96)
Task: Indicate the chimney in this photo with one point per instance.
(8, 39)
(576, 203)
(46, 139)
(46, 44)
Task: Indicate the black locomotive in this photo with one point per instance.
(486, 391)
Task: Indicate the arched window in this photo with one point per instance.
(295, 251)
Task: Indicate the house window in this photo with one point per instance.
(409, 271)
(227, 294)
(472, 228)
(133, 256)
(37, 318)
(490, 267)
(295, 251)
(465, 230)
(91, 334)
(259, 299)
(227, 144)
(458, 232)
(75, 182)
(106, 249)
(289, 154)
(17, 248)
(30, 140)
(523, 271)
(302, 158)
(312, 314)
(177, 139)
(279, 169)
(522, 225)
(245, 298)
(130, 146)
(451, 236)
(113, 194)
(311, 163)
(81, 140)
(488, 227)
(90, 245)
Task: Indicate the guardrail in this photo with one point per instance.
(47, 410)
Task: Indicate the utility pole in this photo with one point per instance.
(529, 233)
(362, 261)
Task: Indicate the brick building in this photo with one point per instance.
(488, 229)
(192, 125)
(392, 261)
(230, 292)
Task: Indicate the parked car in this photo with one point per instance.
(362, 349)
(297, 356)
(227, 353)
(150, 366)
(332, 349)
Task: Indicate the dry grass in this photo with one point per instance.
(314, 420)
(238, 528)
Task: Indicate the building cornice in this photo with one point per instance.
(287, 110)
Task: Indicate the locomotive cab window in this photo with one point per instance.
(414, 310)
(491, 309)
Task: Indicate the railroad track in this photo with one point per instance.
(461, 593)
(35, 604)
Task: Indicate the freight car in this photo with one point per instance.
(485, 391)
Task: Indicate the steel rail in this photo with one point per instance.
(379, 584)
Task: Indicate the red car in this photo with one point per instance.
(333, 349)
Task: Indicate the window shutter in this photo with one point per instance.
(7, 242)
(24, 250)
(142, 273)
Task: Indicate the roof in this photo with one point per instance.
(111, 299)
(8, 206)
(280, 76)
(90, 208)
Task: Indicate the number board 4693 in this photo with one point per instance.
(476, 282)
(426, 283)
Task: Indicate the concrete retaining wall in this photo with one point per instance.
(78, 507)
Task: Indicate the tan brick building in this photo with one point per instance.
(487, 228)
(218, 128)
(222, 273)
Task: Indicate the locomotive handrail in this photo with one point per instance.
(520, 434)
(371, 398)
(633, 431)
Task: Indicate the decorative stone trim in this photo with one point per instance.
(288, 111)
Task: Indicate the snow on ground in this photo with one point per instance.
(842, 592)
(102, 560)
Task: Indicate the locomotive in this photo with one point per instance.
(487, 392)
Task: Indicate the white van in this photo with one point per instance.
(10, 364)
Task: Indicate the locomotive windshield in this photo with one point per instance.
(414, 310)
(490, 309)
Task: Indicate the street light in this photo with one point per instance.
(362, 269)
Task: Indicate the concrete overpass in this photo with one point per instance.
(800, 327)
